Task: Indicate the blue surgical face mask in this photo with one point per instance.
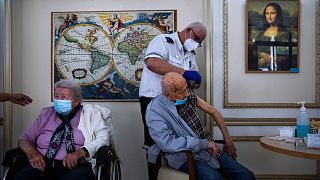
(62, 107)
(181, 102)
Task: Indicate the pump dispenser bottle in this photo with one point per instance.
(303, 122)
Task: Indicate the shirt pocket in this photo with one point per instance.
(175, 60)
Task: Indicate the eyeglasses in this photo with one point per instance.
(197, 38)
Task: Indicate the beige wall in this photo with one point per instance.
(31, 74)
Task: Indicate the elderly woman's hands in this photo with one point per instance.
(36, 160)
(71, 159)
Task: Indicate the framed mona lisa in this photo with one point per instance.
(272, 36)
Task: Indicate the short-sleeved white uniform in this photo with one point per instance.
(172, 53)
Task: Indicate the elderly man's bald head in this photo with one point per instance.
(171, 82)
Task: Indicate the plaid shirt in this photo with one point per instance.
(188, 113)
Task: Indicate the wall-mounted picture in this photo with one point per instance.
(272, 36)
(104, 51)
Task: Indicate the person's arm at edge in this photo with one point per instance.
(5, 97)
(16, 98)
(215, 114)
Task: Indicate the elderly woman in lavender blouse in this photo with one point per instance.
(63, 139)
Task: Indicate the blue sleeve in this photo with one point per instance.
(165, 137)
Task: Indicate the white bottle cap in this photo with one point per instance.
(303, 109)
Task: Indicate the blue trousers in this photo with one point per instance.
(229, 168)
(81, 172)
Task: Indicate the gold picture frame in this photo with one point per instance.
(227, 103)
(272, 36)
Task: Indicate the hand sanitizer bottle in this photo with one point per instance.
(303, 122)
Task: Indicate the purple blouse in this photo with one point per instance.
(40, 132)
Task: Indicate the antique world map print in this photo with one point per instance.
(104, 51)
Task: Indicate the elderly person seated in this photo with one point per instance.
(63, 139)
(175, 126)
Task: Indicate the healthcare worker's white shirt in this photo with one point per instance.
(172, 53)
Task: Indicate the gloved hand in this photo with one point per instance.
(192, 75)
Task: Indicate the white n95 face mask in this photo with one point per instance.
(190, 44)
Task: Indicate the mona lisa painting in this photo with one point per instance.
(272, 36)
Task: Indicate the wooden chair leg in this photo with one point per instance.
(192, 166)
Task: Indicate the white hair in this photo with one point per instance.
(75, 88)
(198, 26)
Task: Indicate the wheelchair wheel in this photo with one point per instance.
(109, 171)
(116, 170)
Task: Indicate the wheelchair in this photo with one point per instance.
(108, 163)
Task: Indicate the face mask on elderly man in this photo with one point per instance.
(181, 101)
(63, 107)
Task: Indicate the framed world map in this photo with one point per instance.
(104, 51)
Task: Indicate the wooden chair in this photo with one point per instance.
(192, 166)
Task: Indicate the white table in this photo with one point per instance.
(290, 149)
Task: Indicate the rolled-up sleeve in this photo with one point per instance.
(156, 48)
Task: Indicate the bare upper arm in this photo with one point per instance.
(161, 66)
(204, 106)
(153, 61)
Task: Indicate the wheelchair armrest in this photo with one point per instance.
(104, 154)
(13, 154)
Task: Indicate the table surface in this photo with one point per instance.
(283, 147)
